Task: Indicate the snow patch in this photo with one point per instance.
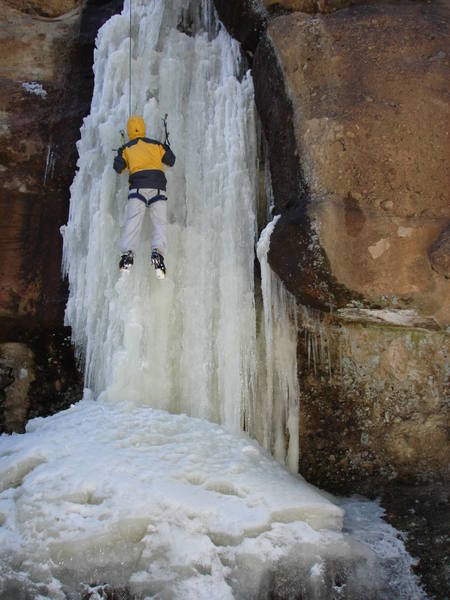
(394, 316)
(33, 87)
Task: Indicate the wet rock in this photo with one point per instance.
(245, 20)
(374, 397)
(440, 253)
(58, 381)
(420, 511)
(6, 376)
(38, 374)
(17, 363)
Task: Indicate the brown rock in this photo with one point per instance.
(311, 6)
(380, 394)
(19, 359)
(44, 8)
(33, 69)
(46, 88)
(46, 76)
(365, 92)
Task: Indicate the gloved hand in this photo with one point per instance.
(119, 164)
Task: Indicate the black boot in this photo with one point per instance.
(158, 263)
(126, 260)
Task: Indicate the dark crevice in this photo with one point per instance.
(294, 246)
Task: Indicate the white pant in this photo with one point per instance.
(135, 216)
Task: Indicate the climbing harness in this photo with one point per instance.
(134, 193)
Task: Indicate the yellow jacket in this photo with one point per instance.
(143, 157)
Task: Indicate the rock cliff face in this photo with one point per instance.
(46, 76)
(368, 87)
(354, 106)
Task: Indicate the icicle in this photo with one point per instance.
(50, 163)
(280, 397)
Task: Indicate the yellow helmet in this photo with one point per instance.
(135, 127)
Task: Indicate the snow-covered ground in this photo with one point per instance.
(175, 507)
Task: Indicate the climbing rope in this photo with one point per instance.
(129, 71)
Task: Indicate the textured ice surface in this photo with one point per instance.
(142, 497)
(189, 343)
(279, 401)
(175, 507)
(186, 344)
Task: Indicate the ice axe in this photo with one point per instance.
(122, 139)
(167, 142)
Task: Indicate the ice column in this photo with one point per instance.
(186, 344)
(280, 431)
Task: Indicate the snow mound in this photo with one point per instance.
(170, 506)
(145, 498)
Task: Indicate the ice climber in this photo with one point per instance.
(144, 159)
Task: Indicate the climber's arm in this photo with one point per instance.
(168, 156)
(120, 163)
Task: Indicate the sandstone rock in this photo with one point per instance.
(364, 90)
(378, 394)
(312, 6)
(44, 8)
(46, 76)
(32, 203)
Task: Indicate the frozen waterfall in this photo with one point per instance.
(190, 344)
